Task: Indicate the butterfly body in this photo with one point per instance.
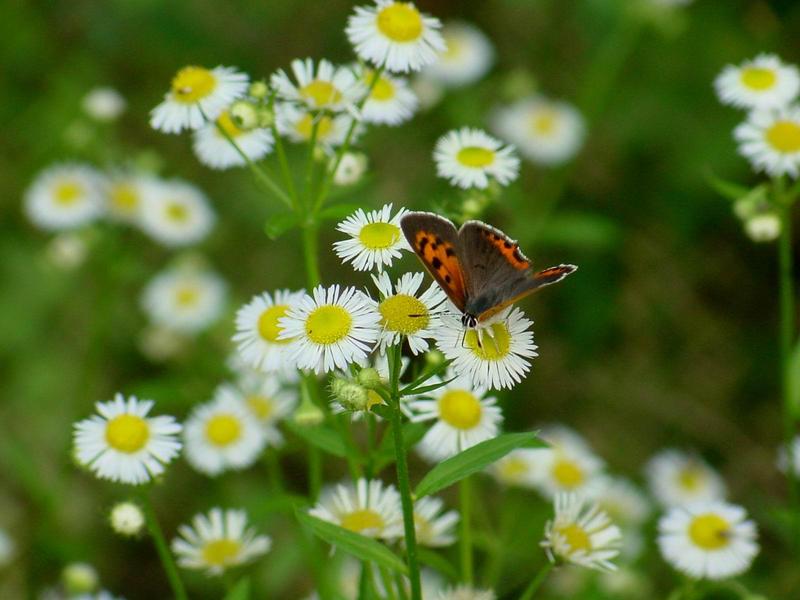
(480, 268)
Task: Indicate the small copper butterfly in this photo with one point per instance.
(479, 267)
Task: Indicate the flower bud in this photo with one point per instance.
(265, 117)
(369, 378)
(765, 227)
(308, 414)
(79, 578)
(258, 90)
(350, 395)
(351, 168)
(434, 358)
(127, 519)
(244, 114)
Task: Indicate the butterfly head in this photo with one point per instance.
(469, 321)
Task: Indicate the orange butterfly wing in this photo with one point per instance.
(435, 240)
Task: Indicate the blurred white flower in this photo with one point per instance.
(390, 101)
(764, 227)
(764, 82)
(351, 168)
(318, 87)
(468, 57)
(366, 507)
(677, 478)
(64, 196)
(104, 104)
(770, 140)
(67, 250)
(176, 213)
(214, 150)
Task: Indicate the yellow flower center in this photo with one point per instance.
(305, 125)
(192, 84)
(227, 125)
(223, 429)
(221, 552)
(576, 537)
(690, 478)
(378, 236)
(489, 347)
(362, 519)
(784, 136)
(403, 314)
(567, 473)
(127, 433)
(67, 193)
(513, 469)
(187, 296)
(383, 90)
(400, 22)
(268, 327)
(261, 406)
(423, 528)
(328, 324)
(124, 198)
(177, 211)
(757, 78)
(460, 409)
(710, 531)
(475, 156)
(544, 122)
(321, 92)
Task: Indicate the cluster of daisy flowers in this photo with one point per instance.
(769, 137)
(69, 196)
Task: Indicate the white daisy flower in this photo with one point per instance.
(395, 35)
(468, 57)
(465, 592)
(375, 238)
(176, 213)
(366, 507)
(124, 196)
(708, 540)
(581, 534)
(470, 157)
(123, 444)
(790, 458)
(351, 169)
(625, 503)
(404, 315)
(320, 87)
(770, 140)
(298, 125)
(213, 149)
(258, 332)
(184, 299)
(103, 104)
(390, 101)
(496, 355)
(463, 418)
(546, 132)
(518, 468)
(64, 196)
(218, 541)
(197, 94)
(566, 469)
(269, 403)
(332, 329)
(223, 434)
(433, 527)
(677, 478)
(764, 82)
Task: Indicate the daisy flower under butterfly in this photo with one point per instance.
(122, 443)
(404, 314)
(764, 82)
(464, 416)
(197, 94)
(321, 86)
(214, 150)
(64, 196)
(470, 157)
(395, 35)
(496, 354)
(390, 101)
(375, 238)
(257, 337)
(333, 328)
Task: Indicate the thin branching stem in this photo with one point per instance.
(164, 554)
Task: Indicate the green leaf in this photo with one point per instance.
(336, 212)
(428, 388)
(727, 189)
(324, 438)
(279, 224)
(240, 591)
(474, 459)
(353, 543)
(438, 563)
(425, 376)
(794, 381)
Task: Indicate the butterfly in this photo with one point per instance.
(480, 268)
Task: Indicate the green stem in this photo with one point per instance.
(282, 161)
(273, 464)
(403, 482)
(465, 548)
(537, 581)
(164, 554)
(388, 584)
(258, 172)
(310, 244)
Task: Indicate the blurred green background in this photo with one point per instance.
(667, 335)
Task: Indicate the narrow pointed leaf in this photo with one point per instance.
(474, 459)
(361, 547)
